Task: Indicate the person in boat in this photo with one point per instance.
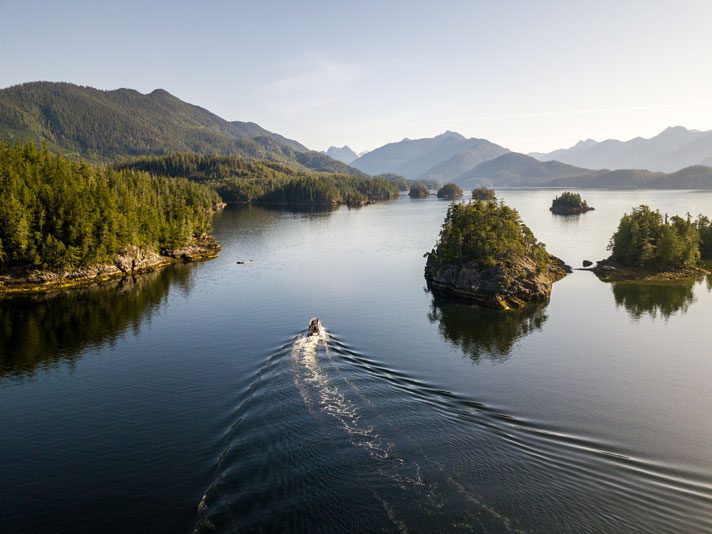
(314, 325)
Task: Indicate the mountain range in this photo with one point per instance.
(110, 125)
(519, 170)
(441, 157)
(107, 126)
(672, 149)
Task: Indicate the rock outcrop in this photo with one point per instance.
(511, 284)
(609, 270)
(129, 262)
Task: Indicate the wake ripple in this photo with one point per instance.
(325, 435)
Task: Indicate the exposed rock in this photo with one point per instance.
(505, 285)
(609, 271)
(570, 210)
(203, 248)
(131, 261)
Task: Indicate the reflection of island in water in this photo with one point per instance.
(44, 330)
(655, 298)
(483, 332)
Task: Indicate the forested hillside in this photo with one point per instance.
(57, 213)
(106, 126)
(237, 179)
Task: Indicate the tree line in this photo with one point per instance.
(240, 180)
(57, 213)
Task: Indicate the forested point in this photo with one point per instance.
(450, 191)
(59, 214)
(488, 232)
(484, 193)
(649, 240)
(419, 190)
(240, 180)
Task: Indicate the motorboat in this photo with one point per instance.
(314, 327)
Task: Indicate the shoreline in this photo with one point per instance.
(131, 262)
(570, 211)
(608, 271)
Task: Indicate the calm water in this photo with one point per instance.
(188, 400)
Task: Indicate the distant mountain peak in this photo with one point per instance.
(450, 133)
(444, 156)
(343, 154)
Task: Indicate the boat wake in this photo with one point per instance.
(327, 435)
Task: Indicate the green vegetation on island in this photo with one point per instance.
(419, 190)
(486, 254)
(650, 245)
(240, 180)
(483, 193)
(569, 203)
(649, 240)
(704, 226)
(60, 214)
(450, 191)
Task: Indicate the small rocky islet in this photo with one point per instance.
(569, 203)
(651, 246)
(486, 255)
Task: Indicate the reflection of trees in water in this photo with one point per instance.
(42, 330)
(653, 299)
(483, 332)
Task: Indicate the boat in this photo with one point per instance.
(314, 327)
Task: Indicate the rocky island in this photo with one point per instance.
(569, 203)
(650, 246)
(486, 255)
(450, 192)
(419, 190)
(483, 193)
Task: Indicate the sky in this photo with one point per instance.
(531, 76)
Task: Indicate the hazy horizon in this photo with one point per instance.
(528, 77)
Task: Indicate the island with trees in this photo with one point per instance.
(419, 190)
(569, 203)
(483, 193)
(64, 223)
(450, 191)
(486, 255)
(651, 246)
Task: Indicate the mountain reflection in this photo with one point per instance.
(654, 299)
(40, 331)
(482, 332)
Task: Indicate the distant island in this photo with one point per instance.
(651, 246)
(569, 203)
(418, 190)
(450, 192)
(66, 223)
(486, 255)
(483, 193)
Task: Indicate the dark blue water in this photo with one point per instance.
(189, 400)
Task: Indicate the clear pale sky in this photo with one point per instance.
(529, 75)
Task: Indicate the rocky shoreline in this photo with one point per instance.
(130, 262)
(507, 285)
(609, 271)
(570, 211)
